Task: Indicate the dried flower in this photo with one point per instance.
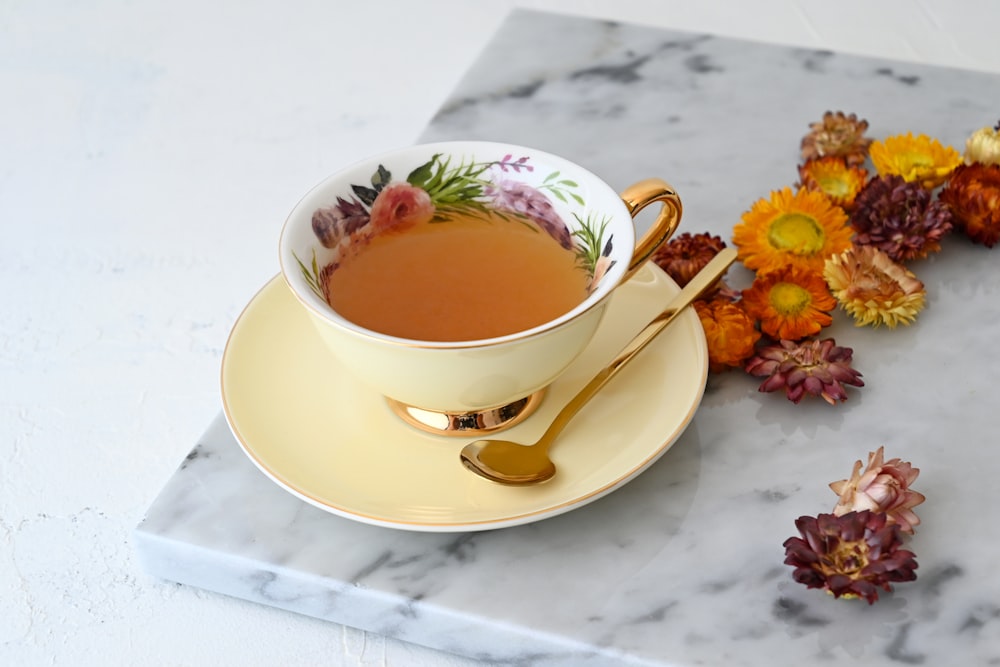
(918, 159)
(687, 254)
(874, 289)
(900, 218)
(884, 486)
(983, 146)
(729, 331)
(817, 368)
(973, 193)
(800, 229)
(790, 303)
(849, 556)
(839, 136)
(834, 178)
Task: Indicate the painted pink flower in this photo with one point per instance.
(400, 206)
(884, 486)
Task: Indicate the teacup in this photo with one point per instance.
(453, 382)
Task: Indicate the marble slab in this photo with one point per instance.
(682, 566)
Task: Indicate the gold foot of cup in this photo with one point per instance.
(467, 423)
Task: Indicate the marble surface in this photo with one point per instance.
(683, 566)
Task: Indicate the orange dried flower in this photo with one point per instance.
(973, 194)
(834, 178)
(800, 229)
(884, 486)
(790, 303)
(729, 331)
(837, 135)
(917, 159)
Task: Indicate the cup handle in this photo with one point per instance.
(637, 197)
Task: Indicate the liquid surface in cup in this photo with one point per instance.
(469, 277)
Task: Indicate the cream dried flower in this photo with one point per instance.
(874, 289)
(884, 486)
(983, 146)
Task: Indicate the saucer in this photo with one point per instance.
(330, 440)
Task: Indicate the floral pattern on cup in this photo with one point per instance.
(439, 189)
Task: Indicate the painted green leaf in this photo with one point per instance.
(551, 176)
(381, 178)
(367, 195)
(422, 174)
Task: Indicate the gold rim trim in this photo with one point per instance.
(461, 424)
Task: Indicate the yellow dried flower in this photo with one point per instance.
(917, 159)
(874, 289)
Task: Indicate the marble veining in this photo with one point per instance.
(683, 566)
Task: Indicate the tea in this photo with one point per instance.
(465, 278)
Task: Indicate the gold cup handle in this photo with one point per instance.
(637, 197)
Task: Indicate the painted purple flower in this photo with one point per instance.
(523, 199)
(334, 223)
(517, 165)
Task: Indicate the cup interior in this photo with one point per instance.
(430, 183)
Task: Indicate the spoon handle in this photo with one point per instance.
(698, 285)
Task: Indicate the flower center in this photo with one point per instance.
(797, 232)
(916, 160)
(834, 185)
(789, 298)
(848, 558)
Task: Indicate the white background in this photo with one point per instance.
(148, 155)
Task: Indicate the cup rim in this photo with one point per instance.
(320, 309)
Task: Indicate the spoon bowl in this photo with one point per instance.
(511, 463)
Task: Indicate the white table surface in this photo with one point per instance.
(148, 154)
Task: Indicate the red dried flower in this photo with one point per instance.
(849, 556)
(687, 254)
(814, 367)
(899, 218)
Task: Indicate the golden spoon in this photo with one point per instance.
(512, 463)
